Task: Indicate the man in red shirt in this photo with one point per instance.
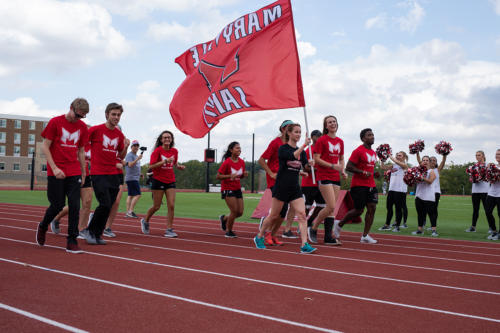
(363, 190)
(63, 145)
(106, 143)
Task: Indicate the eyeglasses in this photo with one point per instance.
(79, 115)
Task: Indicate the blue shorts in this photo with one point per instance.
(133, 188)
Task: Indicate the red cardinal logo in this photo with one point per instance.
(217, 74)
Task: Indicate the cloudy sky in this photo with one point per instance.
(416, 69)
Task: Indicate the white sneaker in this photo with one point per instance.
(434, 233)
(368, 239)
(493, 236)
(336, 228)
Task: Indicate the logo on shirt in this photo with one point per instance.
(371, 158)
(295, 165)
(168, 165)
(238, 172)
(67, 137)
(108, 143)
(332, 147)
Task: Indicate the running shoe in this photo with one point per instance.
(276, 241)
(81, 234)
(54, 226)
(332, 242)
(289, 234)
(222, 222)
(231, 234)
(496, 237)
(144, 227)
(368, 239)
(396, 229)
(429, 229)
(40, 235)
(393, 225)
(417, 232)
(491, 231)
(470, 229)
(337, 228)
(494, 234)
(404, 226)
(312, 235)
(434, 233)
(73, 248)
(268, 238)
(90, 238)
(100, 241)
(169, 233)
(307, 249)
(259, 242)
(108, 233)
(134, 215)
(129, 215)
(385, 227)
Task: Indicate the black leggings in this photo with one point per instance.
(437, 196)
(397, 199)
(476, 201)
(424, 208)
(491, 202)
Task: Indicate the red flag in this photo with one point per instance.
(251, 65)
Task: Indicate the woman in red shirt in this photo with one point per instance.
(230, 172)
(162, 162)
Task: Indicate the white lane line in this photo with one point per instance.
(276, 251)
(419, 256)
(42, 319)
(272, 263)
(179, 298)
(359, 298)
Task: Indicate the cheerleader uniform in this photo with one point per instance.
(425, 202)
(396, 195)
(479, 194)
(492, 200)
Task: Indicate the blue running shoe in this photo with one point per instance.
(259, 242)
(307, 249)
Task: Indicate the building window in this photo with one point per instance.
(2, 150)
(29, 166)
(32, 125)
(15, 167)
(3, 123)
(31, 139)
(2, 166)
(45, 125)
(44, 167)
(17, 151)
(2, 137)
(17, 124)
(17, 138)
(31, 150)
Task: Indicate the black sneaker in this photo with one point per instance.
(73, 248)
(231, 234)
(471, 229)
(40, 235)
(54, 226)
(134, 215)
(312, 235)
(418, 232)
(222, 222)
(100, 241)
(332, 242)
(289, 234)
(385, 227)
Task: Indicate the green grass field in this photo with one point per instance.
(454, 211)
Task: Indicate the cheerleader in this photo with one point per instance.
(479, 193)
(397, 190)
(162, 162)
(287, 188)
(230, 172)
(425, 199)
(329, 157)
(492, 200)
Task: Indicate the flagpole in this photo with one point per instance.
(309, 145)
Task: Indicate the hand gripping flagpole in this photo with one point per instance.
(309, 145)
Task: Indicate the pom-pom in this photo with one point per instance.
(443, 148)
(414, 175)
(417, 147)
(492, 173)
(387, 175)
(383, 151)
(476, 172)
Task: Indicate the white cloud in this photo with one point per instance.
(496, 6)
(58, 35)
(338, 33)
(413, 18)
(26, 106)
(378, 22)
(305, 49)
(149, 85)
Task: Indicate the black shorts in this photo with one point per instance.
(329, 182)
(231, 193)
(362, 195)
(121, 177)
(87, 182)
(133, 188)
(312, 194)
(286, 194)
(158, 185)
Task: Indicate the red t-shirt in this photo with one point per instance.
(330, 151)
(229, 167)
(271, 155)
(105, 145)
(164, 173)
(67, 138)
(364, 159)
(307, 181)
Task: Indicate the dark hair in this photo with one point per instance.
(113, 106)
(289, 129)
(80, 104)
(315, 133)
(325, 130)
(158, 140)
(228, 152)
(363, 133)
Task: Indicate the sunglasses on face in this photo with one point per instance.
(79, 115)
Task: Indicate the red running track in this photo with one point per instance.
(203, 281)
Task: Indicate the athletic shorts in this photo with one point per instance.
(362, 195)
(312, 195)
(158, 185)
(87, 182)
(286, 195)
(231, 193)
(133, 188)
(121, 177)
(329, 182)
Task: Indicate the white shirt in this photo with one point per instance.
(435, 183)
(396, 183)
(425, 191)
(494, 190)
(480, 187)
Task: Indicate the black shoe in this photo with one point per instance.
(312, 235)
(100, 241)
(222, 222)
(230, 234)
(289, 234)
(333, 242)
(40, 235)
